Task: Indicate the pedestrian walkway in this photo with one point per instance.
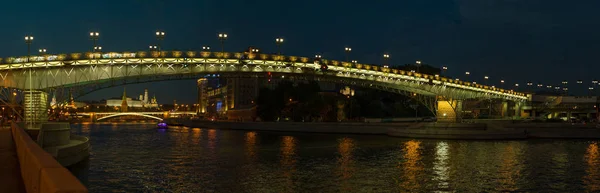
(10, 172)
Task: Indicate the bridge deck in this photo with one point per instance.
(10, 172)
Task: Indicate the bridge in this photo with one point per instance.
(98, 116)
(441, 95)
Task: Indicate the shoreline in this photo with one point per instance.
(423, 130)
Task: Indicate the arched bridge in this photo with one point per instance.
(129, 114)
(153, 115)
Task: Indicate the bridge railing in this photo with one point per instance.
(64, 59)
(39, 170)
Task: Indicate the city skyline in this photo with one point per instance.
(464, 36)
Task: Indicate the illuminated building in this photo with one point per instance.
(143, 101)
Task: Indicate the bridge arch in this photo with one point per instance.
(129, 114)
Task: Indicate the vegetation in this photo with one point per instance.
(289, 101)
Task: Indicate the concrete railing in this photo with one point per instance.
(41, 173)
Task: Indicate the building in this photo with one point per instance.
(142, 102)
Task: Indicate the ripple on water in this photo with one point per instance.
(139, 158)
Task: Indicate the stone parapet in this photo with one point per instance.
(40, 171)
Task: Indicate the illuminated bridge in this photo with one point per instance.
(86, 72)
(153, 115)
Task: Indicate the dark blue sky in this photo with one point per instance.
(536, 40)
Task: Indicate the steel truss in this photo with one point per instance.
(85, 76)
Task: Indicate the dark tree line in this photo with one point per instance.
(290, 101)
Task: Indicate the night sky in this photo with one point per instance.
(535, 40)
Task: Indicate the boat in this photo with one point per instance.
(162, 125)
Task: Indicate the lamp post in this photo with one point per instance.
(94, 37)
(160, 36)
(222, 38)
(153, 48)
(444, 69)
(347, 50)
(43, 51)
(279, 41)
(28, 41)
(418, 62)
(386, 57)
(591, 89)
(594, 83)
(206, 48)
(467, 75)
(98, 49)
(502, 83)
(254, 50)
(564, 82)
(486, 78)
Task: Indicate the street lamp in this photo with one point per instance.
(205, 48)
(347, 50)
(444, 68)
(564, 82)
(279, 41)
(97, 48)
(43, 51)
(254, 50)
(94, 37)
(594, 83)
(153, 48)
(222, 38)
(28, 41)
(386, 57)
(318, 56)
(591, 89)
(418, 65)
(160, 36)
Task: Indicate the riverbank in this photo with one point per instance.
(500, 130)
(340, 128)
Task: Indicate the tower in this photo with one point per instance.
(202, 95)
(124, 101)
(145, 101)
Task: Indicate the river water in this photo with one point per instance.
(141, 158)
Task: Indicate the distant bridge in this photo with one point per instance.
(129, 114)
(153, 115)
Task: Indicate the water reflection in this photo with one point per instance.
(196, 136)
(440, 165)
(412, 166)
(288, 161)
(251, 145)
(509, 169)
(345, 161)
(212, 138)
(138, 158)
(592, 179)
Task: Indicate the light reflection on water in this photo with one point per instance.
(140, 158)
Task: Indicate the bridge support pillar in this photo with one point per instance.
(517, 109)
(449, 110)
(504, 109)
(36, 108)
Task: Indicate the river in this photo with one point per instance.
(141, 158)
